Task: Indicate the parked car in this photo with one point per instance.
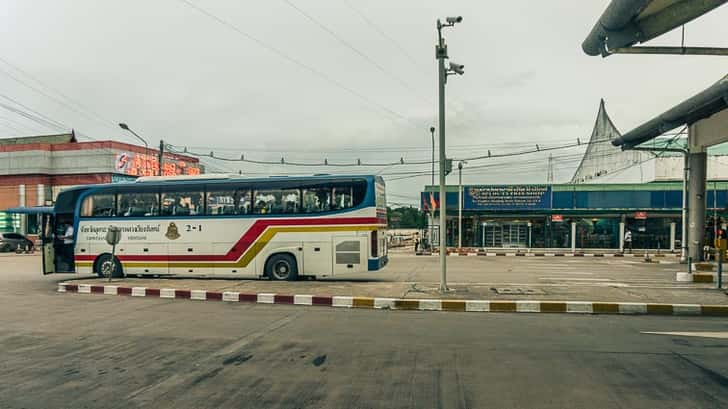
(15, 242)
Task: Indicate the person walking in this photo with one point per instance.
(417, 242)
(628, 240)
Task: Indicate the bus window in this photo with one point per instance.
(229, 202)
(134, 204)
(181, 203)
(316, 200)
(343, 197)
(276, 201)
(98, 206)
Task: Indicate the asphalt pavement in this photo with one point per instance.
(76, 351)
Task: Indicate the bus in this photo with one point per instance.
(282, 228)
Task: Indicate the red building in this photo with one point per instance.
(34, 169)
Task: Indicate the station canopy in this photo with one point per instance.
(707, 103)
(627, 22)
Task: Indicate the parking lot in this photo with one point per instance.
(71, 350)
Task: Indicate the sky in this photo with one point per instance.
(319, 80)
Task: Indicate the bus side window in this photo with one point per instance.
(182, 203)
(132, 204)
(99, 206)
(227, 202)
(316, 199)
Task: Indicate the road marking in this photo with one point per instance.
(575, 279)
(721, 335)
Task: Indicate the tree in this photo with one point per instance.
(406, 218)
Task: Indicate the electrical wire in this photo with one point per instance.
(311, 69)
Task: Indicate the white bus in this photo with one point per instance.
(279, 227)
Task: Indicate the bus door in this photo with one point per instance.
(62, 249)
(47, 243)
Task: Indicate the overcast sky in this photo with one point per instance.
(296, 91)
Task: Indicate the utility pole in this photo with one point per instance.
(460, 203)
(441, 55)
(550, 175)
(161, 157)
(431, 226)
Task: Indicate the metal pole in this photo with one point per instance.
(432, 211)
(720, 269)
(161, 157)
(460, 204)
(684, 234)
(442, 77)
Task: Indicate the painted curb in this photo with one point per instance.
(520, 306)
(539, 254)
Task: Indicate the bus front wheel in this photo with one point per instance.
(104, 265)
(282, 267)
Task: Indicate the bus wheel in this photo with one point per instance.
(281, 267)
(104, 264)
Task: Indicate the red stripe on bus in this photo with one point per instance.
(250, 236)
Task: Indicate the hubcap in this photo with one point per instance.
(281, 270)
(106, 267)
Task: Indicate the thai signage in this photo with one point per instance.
(516, 197)
(139, 164)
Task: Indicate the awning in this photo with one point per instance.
(701, 106)
(628, 22)
(31, 210)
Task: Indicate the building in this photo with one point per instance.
(34, 169)
(612, 191)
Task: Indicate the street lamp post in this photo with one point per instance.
(441, 56)
(125, 127)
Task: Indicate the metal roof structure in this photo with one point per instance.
(710, 101)
(625, 23)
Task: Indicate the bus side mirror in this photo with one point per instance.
(113, 235)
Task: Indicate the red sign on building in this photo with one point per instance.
(557, 217)
(640, 215)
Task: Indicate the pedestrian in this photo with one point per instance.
(628, 240)
(417, 242)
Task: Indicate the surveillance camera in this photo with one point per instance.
(453, 20)
(457, 68)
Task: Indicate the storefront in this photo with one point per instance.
(572, 215)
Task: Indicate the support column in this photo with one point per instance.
(621, 237)
(673, 230)
(573, 237)
(21, 203)
(696, 203)
(40, 195)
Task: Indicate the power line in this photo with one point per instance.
(360, 53)
(297, 62)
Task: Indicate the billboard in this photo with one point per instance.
(139, 164)
(512, 197)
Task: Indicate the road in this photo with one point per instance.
(79, 351)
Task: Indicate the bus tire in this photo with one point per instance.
(103, 264)
(282, 267)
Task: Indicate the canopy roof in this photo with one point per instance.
(710, 101)
(31, 210)
(628, 22)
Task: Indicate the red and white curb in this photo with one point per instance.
(578, 307)
(540, 254)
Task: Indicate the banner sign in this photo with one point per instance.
(640, 215)
(557, 217)
(515, 197)
(139, 164)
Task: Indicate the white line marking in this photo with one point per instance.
(721, 335)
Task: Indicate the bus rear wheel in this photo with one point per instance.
(104, 265)
(282, 267)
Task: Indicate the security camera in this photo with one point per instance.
(453, 20)
(457, 68)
